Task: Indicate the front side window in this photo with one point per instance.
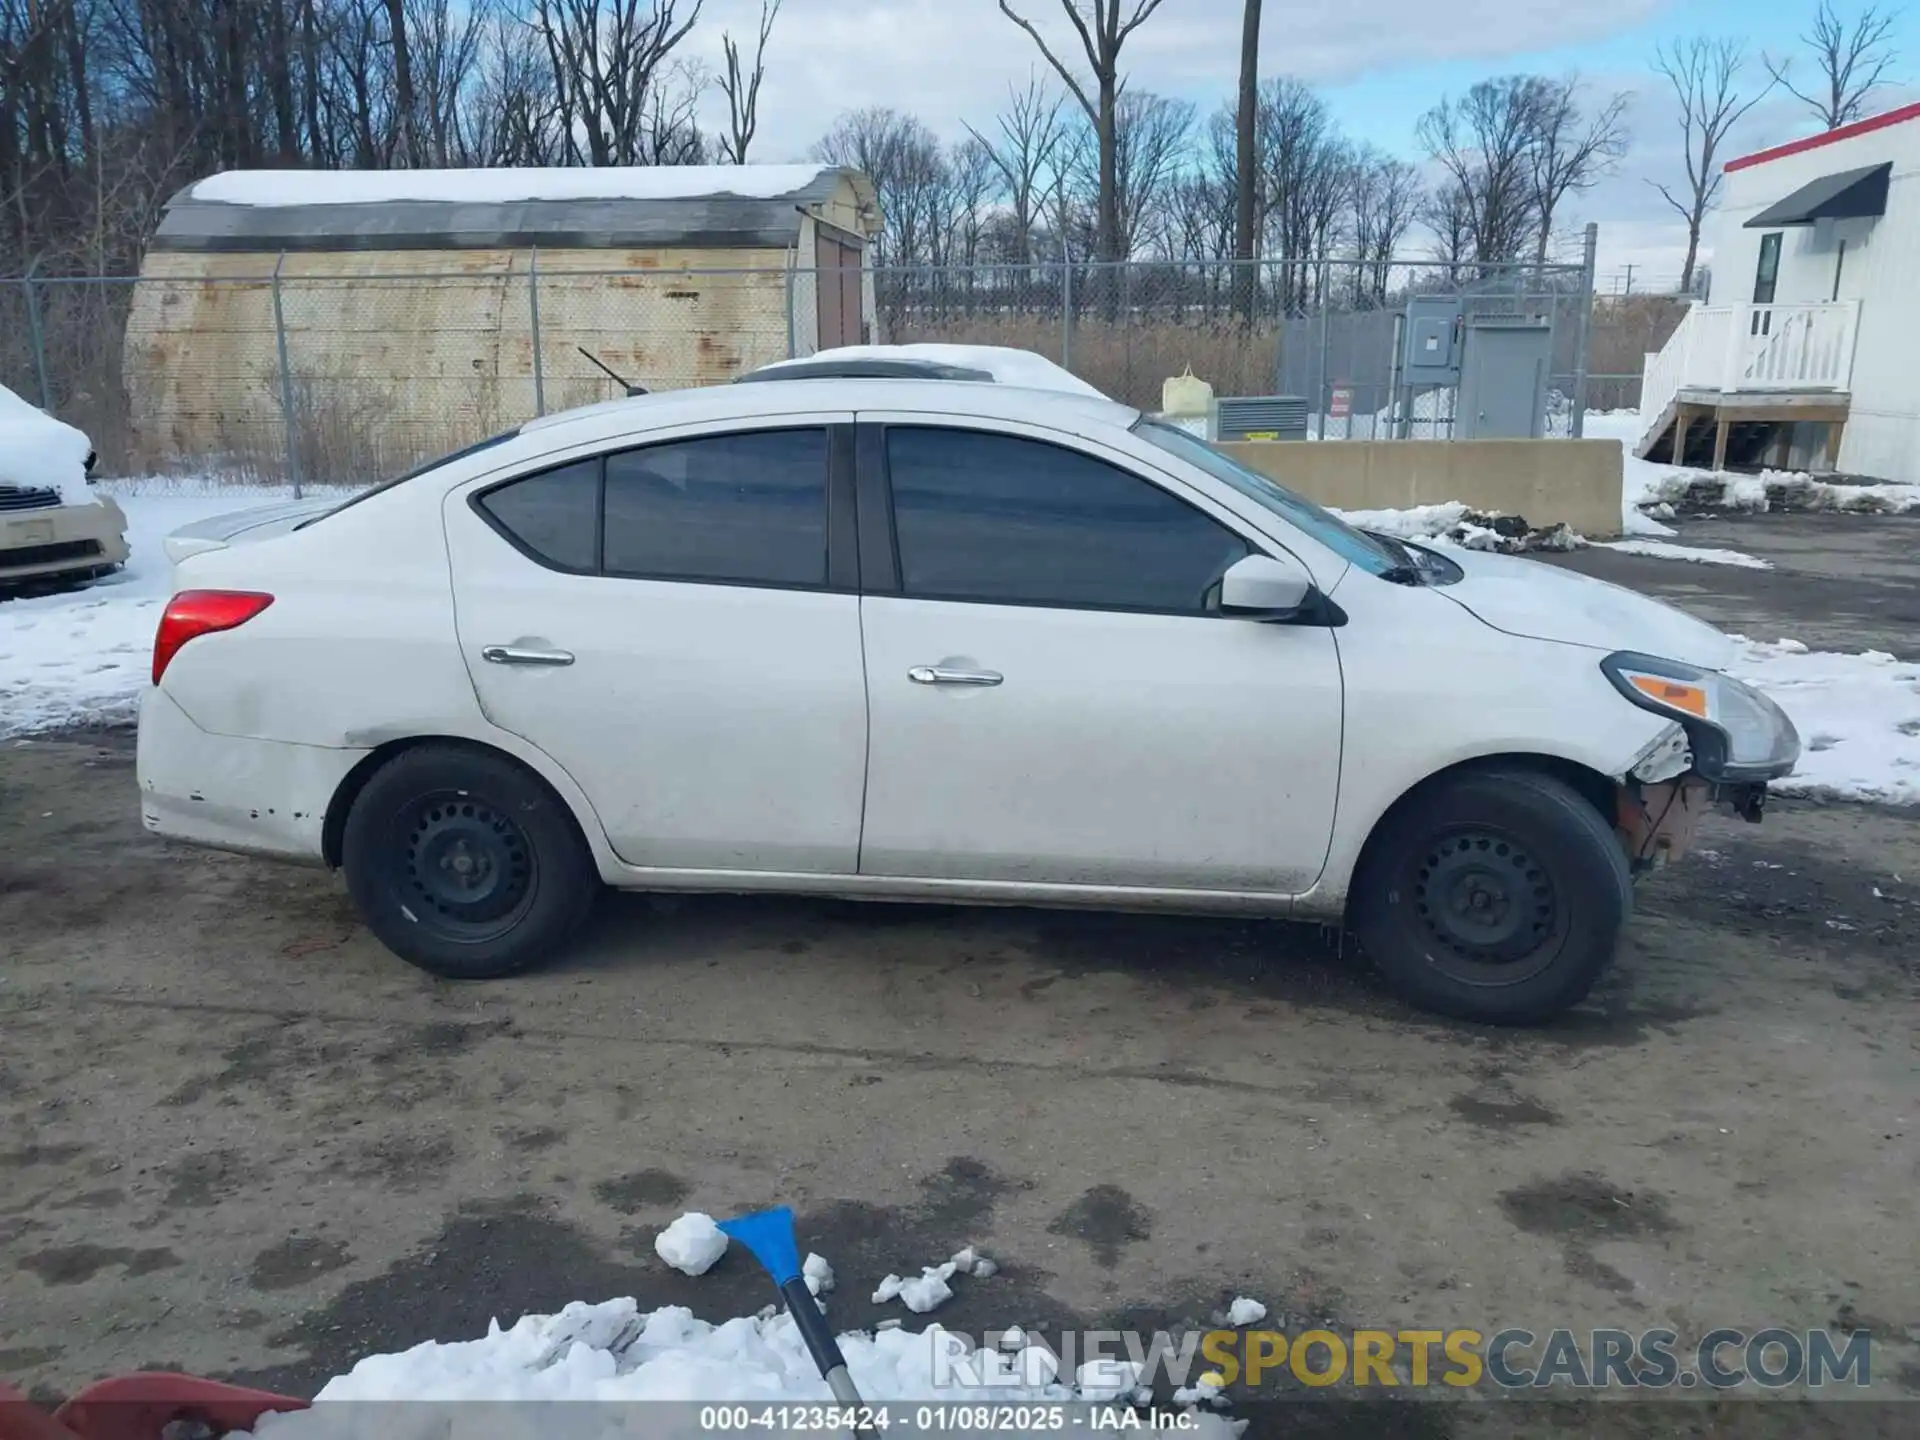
(747, 508)
(1006, 520)
(1323, 525)
(1767, 276)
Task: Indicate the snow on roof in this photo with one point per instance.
(1008, 366)
(271, 188)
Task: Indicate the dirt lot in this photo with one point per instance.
(237, 1137)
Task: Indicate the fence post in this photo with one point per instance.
(37, 334)
(1066, 307)
(533, 315)
(286, 379)
(793, 265)
(1582, 323)
(1321, 398)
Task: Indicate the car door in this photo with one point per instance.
(1052, 699)
(677, 625)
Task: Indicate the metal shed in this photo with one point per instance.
(367, 319)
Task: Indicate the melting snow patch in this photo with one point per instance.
(929, 1291)
(1246, 1312)
(693, 1244)
(1662, 550)
(1864, 710)
(818, 1273)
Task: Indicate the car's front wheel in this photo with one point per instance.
(1495, 895)
(465, 864)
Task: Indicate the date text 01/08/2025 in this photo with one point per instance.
(962, 1417)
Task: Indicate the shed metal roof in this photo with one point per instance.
(769, 218)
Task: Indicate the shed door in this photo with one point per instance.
(837, 284)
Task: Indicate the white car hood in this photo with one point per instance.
(1543, 602)
(241, 526)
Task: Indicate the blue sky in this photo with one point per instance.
(1380, 64)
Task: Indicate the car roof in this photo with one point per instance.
(811, 394)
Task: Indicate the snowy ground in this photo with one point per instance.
(612, 1352)
(82, 656)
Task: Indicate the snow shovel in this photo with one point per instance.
(769, 1235)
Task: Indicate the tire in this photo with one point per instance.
(1496, 896)
(465, 864)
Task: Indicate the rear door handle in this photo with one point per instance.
(940, 675)
(521, 655)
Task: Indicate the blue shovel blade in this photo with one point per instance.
(769, 1235)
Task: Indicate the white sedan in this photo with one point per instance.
(918, 635)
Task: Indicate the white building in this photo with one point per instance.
(1803, 356)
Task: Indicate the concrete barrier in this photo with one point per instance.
(1547, 481)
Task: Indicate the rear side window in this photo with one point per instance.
(1012, 521)
(747, 508)
(553, 516)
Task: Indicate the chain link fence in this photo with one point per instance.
(323, 369)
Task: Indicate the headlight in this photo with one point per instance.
(1738, 733)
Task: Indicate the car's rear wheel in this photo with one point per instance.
(465, 864)
(1495, 895)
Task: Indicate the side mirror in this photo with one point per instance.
(1262, 587)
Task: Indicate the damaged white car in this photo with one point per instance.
(895, 630)
(53, 526)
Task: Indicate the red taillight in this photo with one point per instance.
(201, 612)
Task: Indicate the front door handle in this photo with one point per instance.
(940, 675)
(520, 655)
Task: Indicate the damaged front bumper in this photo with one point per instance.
(1658, 806)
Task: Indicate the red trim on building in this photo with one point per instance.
(1814, 142)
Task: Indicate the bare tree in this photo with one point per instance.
(1850, 61)
(1449, 213)
(1246, 188)
(903, 159)
(1103, 32)
(1385, 199)
(1030, 136)
(1705, 76)
(1484, 142)
(1150, 145)
(742, 87)
(606, 57)
(1301, 164)
(1570, 150)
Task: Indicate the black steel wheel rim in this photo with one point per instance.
(464, 869)
(1484, 906)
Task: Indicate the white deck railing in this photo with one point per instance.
(1731, 349)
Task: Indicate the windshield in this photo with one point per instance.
(1329, 529)
(418, 470)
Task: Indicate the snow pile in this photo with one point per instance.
(1858, 718)
(693, 1244)
(1244, 1311)
(38, 451)
(503, 186)
(1008, 366)
(614, 1352)
(1664, 550)
(1452, 523)
(83, 656)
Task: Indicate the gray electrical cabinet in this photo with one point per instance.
(1435, 332)
(1503, 379)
